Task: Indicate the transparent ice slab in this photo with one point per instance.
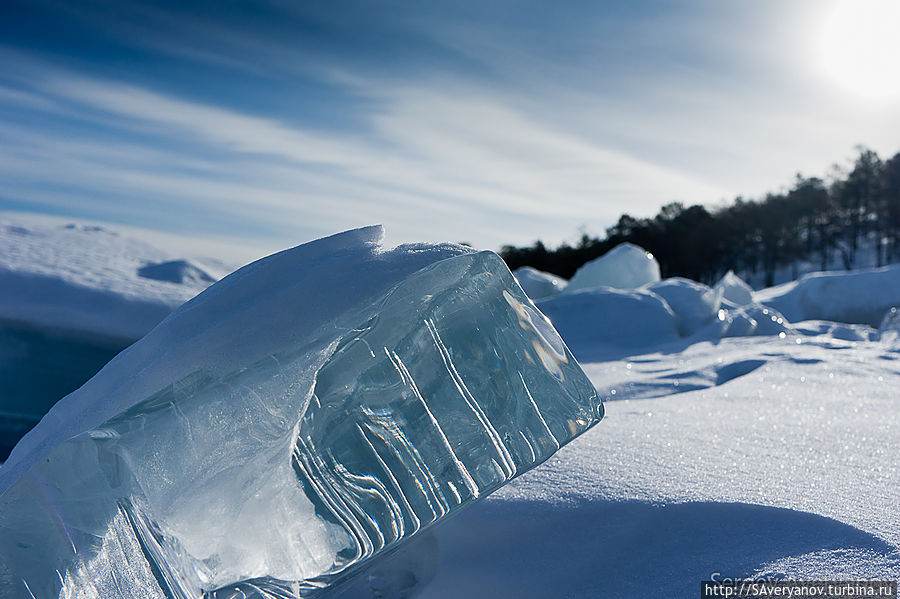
(283, 478)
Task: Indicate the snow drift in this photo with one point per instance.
(603, 322)
(860, 297)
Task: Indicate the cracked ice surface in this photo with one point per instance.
(282, 428)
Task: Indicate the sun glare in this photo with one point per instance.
(860, 47)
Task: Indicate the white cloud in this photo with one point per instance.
(439, 160)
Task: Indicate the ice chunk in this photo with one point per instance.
(735, 323)
(890, 321)
(734, 289)
(695, 305)
(764, 320)
(539, 284)
(889, 329)
(626, 266)
(296, 419)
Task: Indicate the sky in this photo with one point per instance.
(260, 125)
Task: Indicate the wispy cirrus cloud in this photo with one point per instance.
(432, 156)
(490, 124)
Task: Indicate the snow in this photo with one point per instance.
(858, 297)
(181, 272)
(626, 266)
(88, 279)
(538, 284)
(603, 323)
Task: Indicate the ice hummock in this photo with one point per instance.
(856, 297)
(602, 323)
(695, 305)
(538, 284)
(297, 418)
(734, 289)
(626, 266)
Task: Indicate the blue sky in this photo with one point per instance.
(266, 124)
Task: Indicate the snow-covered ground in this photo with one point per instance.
(739, 440)
(748, 457)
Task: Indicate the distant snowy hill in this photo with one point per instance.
(91, 279)
(71, 297)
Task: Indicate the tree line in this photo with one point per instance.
(814, 221)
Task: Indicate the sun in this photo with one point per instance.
(860, 47)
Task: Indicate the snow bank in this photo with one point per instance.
(610, 319)
(626, 266)
(861, 297)
(538, 284)
(90, 279)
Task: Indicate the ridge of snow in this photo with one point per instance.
(86, 279)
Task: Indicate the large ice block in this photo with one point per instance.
(297, 448)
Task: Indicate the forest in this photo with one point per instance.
(819, 221)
